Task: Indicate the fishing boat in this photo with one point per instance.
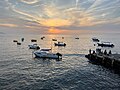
(95, 39)
(18, 43)
(15, 41)
(54, 39)
(46, 53)
(42, 38)
(76, 38)
(62, 37)
(33, 40)
(22, 39)
(33, 46)
(60, 44)
(106, 44)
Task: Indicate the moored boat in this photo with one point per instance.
(15, 41)
(33, 40)
(45, 53)
(34, 46)
(60, 44)
(95, 39)
(76, 38)
(106, 44)
(54, 39)
(22, 39)
(18, 43)
(42, 38)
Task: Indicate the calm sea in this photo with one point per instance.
(19, 70)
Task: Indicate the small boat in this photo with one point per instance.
(34, 46)
(15, 41)
(60, 44)
(48, 49)
(95, 39)
(42, 38)
(18, 43)
(54, 39)
(22, 39)
(106, 44)
(33, 40)
(45, 53)
(76, 38)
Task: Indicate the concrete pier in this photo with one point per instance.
(110, 61)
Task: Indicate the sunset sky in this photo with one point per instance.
(59, 16)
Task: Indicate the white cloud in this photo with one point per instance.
(29, 1)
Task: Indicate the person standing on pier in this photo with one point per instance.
(110, 52)
(105, 52)
(89, 51)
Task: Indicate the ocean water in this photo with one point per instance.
(19, 70)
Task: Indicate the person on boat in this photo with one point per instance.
(110, 52)
(93, 52)
(89, 51)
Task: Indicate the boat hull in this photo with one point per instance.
(105, 45)
(56, 44)
(49, 56)
(95, 40)
(33, 47)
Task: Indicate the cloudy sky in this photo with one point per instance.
(59, 16)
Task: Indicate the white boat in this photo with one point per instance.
(45, 53)
(33, 46)
(106, 44)
(60, 44)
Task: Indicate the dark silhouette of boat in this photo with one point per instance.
(15, 41)
(18, 43)
(60, 44)
(76, 38)
(42, 38)
(22, 39)
(33, 40)
(54, 39)
(95, 39)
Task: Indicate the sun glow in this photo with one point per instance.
(55, 22)
(55, 31)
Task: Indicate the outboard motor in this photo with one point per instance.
(37, 47)
(59, 55)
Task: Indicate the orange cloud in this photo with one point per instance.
(55, 31)
(8, 25)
